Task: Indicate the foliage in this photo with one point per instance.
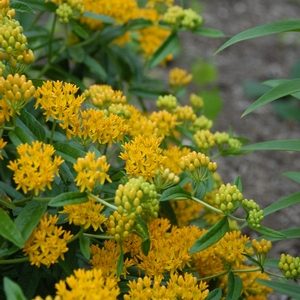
(104, 196)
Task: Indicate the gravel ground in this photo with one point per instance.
(258, 59)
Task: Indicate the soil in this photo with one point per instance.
(259, 59)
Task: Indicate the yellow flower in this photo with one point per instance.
(88, 285)
(178, 287)
(36, 167)
(104, 95)
(204, 139)
(5, 112)
(179, 77)
(169, 250)
(173, 156)
(98, 127)
(154, 3)
(47, 243)
(185, 113)
(143, 156)
(85, 214)
(164, 122)
(59, 101)
(106, 258)
(2, 145)
(91, 171)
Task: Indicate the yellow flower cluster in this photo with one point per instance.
(167, 102)
(36, 167)
(204, 139)
(47, 243)
(13, 43)
(164, 122)
(169, 249)
(196, 101)
(16, 91)
(142, 156)
(179, 77)
(254, 213)
(2, 145)
(136, 198)
(88, 284)
(88, 214)
(262, 246)
(105, 258)
(201, 123)
(68, 9)
(178, 287)
(164, 178)
(157, 3)
(91, 171)
(98, 127)
(104, 95)
(59, 102)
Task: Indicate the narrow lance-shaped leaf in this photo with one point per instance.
(68, 198)
(174, 193)
(262, 30)
(209, 32)
(278, 145)
(216, 294)
(169, 46)
(84, 244)
(282, 203)
(285, 288)
(291, 233)
(12, 290)
(9, 230)
(235, 287)
(270, 233)
(284, 89)
(213, 235)
(295, 176)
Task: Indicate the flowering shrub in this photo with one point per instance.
(102, 195)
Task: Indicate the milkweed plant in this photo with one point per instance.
(109, 184)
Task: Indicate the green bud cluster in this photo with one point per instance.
(290, 266)
(164, 178)
(221, 137)
(13, 43)
(234, 144)
(204, 139)
(227, 198)
(255, 213)
(202, 123)
(64, 12)
(120, 110)
(168, 102)
(136, 198)
(196, 101)
(183, 18)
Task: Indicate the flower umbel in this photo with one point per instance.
(36, 167)
(47, 243)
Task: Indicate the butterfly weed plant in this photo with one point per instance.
(105, 195)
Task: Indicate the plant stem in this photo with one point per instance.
(13, 261)
(52, 131)
(51, 38)
(76, 236)
(98, 236)
(208, 206)
(102, 201)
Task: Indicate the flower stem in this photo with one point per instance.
(208, 206)
(98, 236)
(13, 261)
(102, 201)
(51, 38)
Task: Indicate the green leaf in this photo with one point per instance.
(291, 233)
(293, 176)
(36, 128)
(169, 46)
(141, 229)
(68, 199)
(212, 103)
(284, 89)
(79, 30)
(9, 230)
(238, 183)
(282, 203)
(270, 233)
(95, 67)
(214, 234)
(137, 24)
(215, 294)
(284, 288)
(84, 244)
(10, 191)
(102, 18)
(209, 32)
(22, 7)
(12, 290)
(21, 135)
(262, 30)
(278, 145)
(29, 218)
(69, 151)
(174, 193)
(77, 54)
(204, 72)
(120, 262)
(235, 287)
